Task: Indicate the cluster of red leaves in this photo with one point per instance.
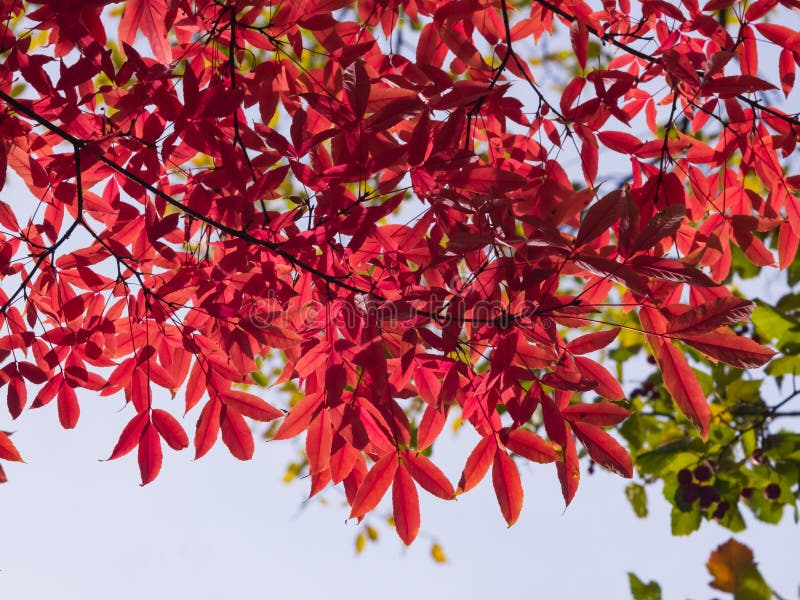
(163, 254)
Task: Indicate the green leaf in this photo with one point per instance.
(672, 454)
(684, 523)
(637, 496)
(643, 591)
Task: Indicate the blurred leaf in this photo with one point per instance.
(637, 496)
(684, 523)
(643, 591)
(438, 554)
(734, 571)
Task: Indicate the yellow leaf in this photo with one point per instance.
(438, 554)
(361, 542)
(372, 533)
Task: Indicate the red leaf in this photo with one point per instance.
(568, 469)
(602, 414)
(299, 417)
(478, 463)
(431, 425)
(682, 384)
(605, 385)
(619, 141)
(68, 409)
(129, 438)
(733, 85)
(236, 435)
(149, 16)
(374, 486)
(788, 242)
(428, 475)
(592, 341)
(579, 36)
(507, 486)
(207, 430)
(319, 439)
(528, 445)
(356, 86)
(663, 224)
(405, 504)
(149, 454)
(7, 449)
(710, 315)
(170, 429)
(251, 406)
(731, 349)
(17, 396)
(600, 217)
(604, 449)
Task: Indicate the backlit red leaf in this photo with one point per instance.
(207, 430)
(604, 449)
(507, 486)
(528, 445)
(236, 434)
(7, 449)
(405, 504)
(428, 475)
(374, 486)
(682, 384)
(735, 350)
(149, 454)
(602, 414)
(170, 429)
(478, 463)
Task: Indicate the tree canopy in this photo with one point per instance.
(529, 219)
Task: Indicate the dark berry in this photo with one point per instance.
(684, 477)
(757, 456)
(708, 495)
(703, 473)
(721, 510)
(772, 491)
(651, 360)
(690, 493)
(746, 493)
(591, 467)
(649, 386)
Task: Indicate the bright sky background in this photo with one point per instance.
(76, 528)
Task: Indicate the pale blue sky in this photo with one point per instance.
(76, 528)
